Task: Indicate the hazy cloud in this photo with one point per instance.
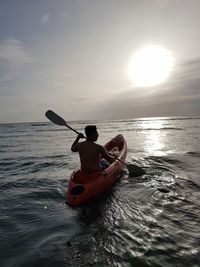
(12, 56)
(45, 18)
(63, 80)
(177, 97)
(4, 77)
(12, 52)
(80, 99)
(188, 70)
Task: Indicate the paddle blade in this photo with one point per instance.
(52, 116)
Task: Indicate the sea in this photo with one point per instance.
(149, 220)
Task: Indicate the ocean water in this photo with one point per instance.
(151, 220)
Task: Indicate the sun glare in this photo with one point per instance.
(150, 66)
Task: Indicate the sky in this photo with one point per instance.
(72, 56)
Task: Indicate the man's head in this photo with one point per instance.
(91, 132)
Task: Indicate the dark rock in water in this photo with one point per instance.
(68, 243)
(163, 190)
(135, 170)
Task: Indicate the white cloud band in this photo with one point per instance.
(12, 52)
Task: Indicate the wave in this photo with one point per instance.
(55, 156)
(165, 128)
(30, 166)
(164, 159)
(193, 153)
(23, 158)
(51, 130)
(39, 124)
(42, 194)
(8, 163)
(46, 165)
(168, 118)
(152, 129)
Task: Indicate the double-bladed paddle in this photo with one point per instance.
(55, 118)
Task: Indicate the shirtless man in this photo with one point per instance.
(89, 151)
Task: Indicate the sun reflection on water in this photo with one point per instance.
(154, 143)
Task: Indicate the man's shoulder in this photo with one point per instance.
(81, 143)
(100, 147)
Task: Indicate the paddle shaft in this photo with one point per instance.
(120, 160)
(71, 128)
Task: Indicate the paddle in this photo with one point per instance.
(133, 169)
(52, 116)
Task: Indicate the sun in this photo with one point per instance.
(151, 65)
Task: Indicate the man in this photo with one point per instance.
(89, 151)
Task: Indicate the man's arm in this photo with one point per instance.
(106, 155)
(74, 147)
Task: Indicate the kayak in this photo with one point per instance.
(82, 186)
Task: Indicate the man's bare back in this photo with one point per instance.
(90, 155)
(90, 152)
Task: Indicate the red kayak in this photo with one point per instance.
(83, 187)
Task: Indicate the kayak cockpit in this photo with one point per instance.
(77, 190)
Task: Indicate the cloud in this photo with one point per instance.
(178, 97)
(4, 77)
(12, 57)
(63, 80)
(188, 70)
(80, 99)
(45, 18)
(12, 52)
